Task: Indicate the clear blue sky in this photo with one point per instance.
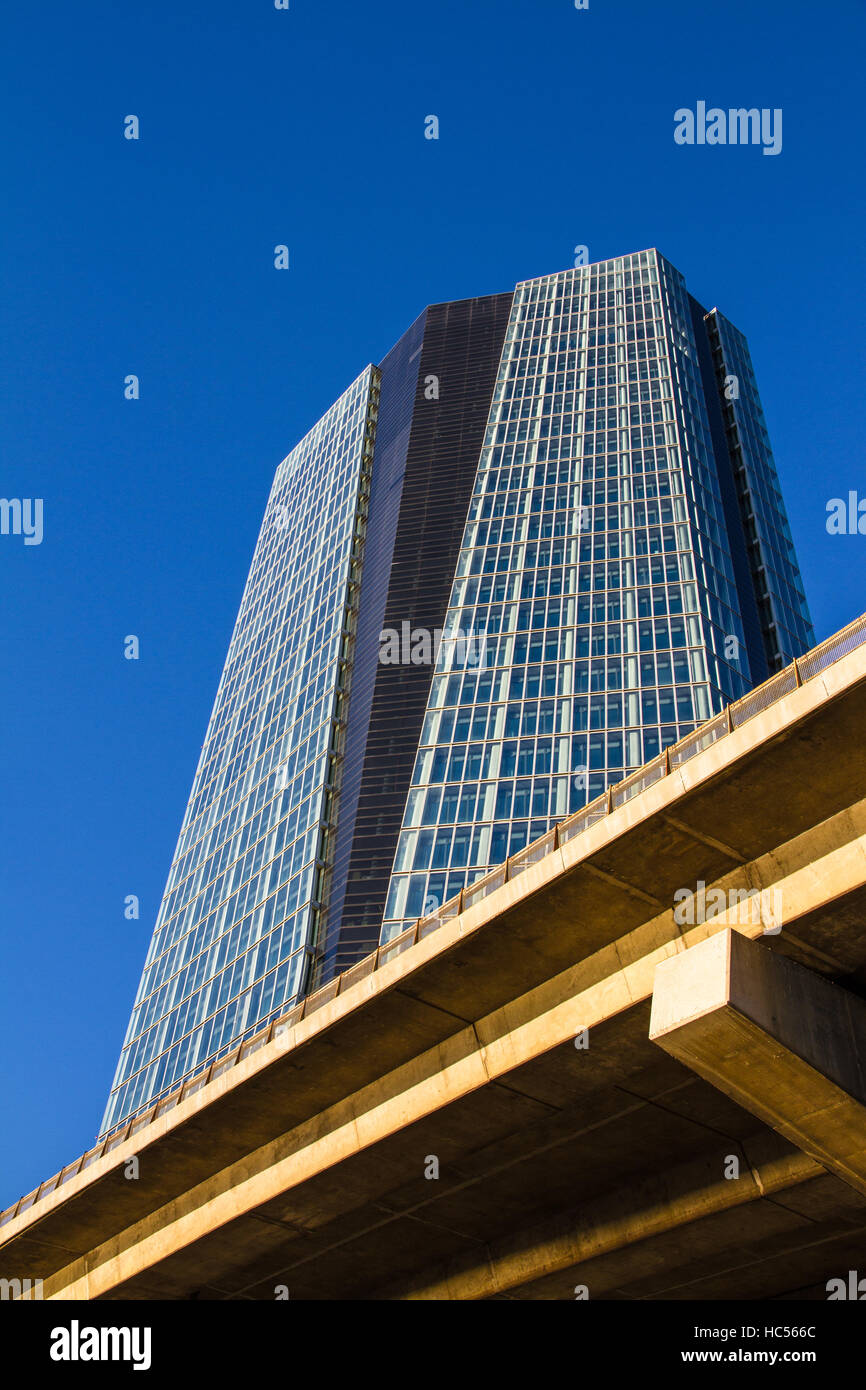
(155, 257)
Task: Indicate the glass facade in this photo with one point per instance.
(424, 468)
(781, 600)
(576, 475)
(238, 917)
(597, 563)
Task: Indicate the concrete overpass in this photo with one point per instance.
(559, 1086)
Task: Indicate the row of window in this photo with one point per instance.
(267, 998)
(239, 894)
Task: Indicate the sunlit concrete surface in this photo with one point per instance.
(783, 1042)
(587, 1135)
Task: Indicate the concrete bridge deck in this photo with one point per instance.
(614, 1100)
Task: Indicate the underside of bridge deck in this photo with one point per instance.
(567, 1091)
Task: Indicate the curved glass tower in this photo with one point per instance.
(626, 555)
(541, 541)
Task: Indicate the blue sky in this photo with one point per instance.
(155, 257)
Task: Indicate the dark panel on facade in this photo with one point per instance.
(462, 344)
(396, 403)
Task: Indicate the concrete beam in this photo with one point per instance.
(445, 1029)
(657, 1203)
(794, 768)
(819, 867)
(783, 1042)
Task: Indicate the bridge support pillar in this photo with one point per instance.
(786, 1044)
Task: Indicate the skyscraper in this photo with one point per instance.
(577, 476)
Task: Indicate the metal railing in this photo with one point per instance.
(803, 669)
